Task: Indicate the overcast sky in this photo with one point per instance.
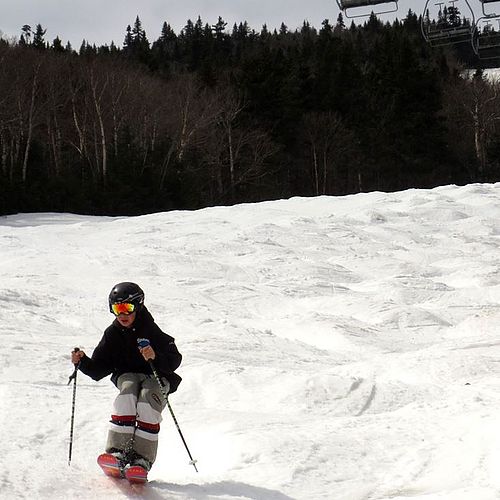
(101, 21)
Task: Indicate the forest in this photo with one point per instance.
(218, 115)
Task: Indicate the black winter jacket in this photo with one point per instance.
(118, 353)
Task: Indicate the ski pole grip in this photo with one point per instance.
(142, 343)
(76, 365)
(75, 350)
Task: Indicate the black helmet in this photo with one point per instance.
(126, 292)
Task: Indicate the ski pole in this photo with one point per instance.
(144, 343)
(72, 377)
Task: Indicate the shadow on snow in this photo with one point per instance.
(205, 491)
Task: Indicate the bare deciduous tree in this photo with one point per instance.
(191, 112)
(472, 106)
(328, 140)
(98, 81)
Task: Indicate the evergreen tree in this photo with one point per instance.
(340, 26)
(196, 41)
(136, 44)
(38, 38)
(57, 45)
(219, 29)
(26, 34)
(165, 50)
(168, 40)
(139, 38)
(128, 42)
(83, 48)
(222, 44)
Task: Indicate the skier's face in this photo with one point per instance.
(126, 320)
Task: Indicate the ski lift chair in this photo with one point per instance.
(486, 41)
(439, 33)
(346, 5)
(490, 14)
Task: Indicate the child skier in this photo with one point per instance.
(128, 347)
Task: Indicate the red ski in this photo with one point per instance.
(136, 474)
(110, 465)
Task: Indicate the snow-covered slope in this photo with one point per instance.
(334, 348)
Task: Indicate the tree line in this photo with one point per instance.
(215, 115)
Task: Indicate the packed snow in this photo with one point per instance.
(334, 348)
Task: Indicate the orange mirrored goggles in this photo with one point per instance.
(122, 308)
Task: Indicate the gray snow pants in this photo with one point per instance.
(135, 422)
